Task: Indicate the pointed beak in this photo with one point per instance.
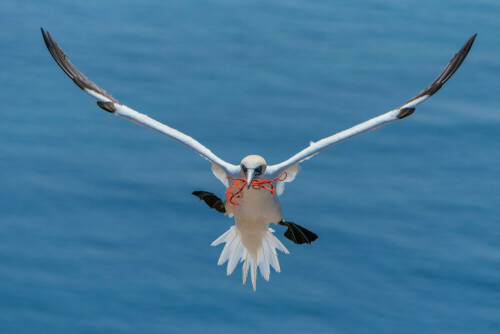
(250, 174)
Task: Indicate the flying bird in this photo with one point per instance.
(253, 187)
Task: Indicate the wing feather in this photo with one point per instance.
(392, 116)
(107, 102)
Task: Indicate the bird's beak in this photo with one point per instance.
(250, 174)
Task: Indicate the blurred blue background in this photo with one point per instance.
(99, 232)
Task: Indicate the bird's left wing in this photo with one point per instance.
(291, 165)
(220, 168)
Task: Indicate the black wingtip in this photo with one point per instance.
(71, 71)
(45, 38)
(450, 69)
(467, 46)
(445, 75)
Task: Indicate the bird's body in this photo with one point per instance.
(256, 209)
(252, 187)
(254, 205)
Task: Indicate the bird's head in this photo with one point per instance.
(252, 166)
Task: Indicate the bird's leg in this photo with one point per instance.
(297, 233)
(212, 201)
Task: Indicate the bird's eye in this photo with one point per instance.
(258, 170)
(244, 169)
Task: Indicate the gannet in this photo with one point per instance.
(253, 187)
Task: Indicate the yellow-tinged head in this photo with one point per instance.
(252, 166)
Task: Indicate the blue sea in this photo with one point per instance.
(99, 232)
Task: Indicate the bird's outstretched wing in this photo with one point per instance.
(291, 165)
(107, 102)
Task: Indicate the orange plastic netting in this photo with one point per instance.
(234, 193)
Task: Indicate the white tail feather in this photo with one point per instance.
(222, 238)
(274, 257)
(235, 257)
(264, 263)
(245, 271)
(235, 251)
(254, 275)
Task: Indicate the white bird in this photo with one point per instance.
(252, 187)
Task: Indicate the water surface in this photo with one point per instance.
(99, 232)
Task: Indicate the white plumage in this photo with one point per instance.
(252, 197)
(234, 252)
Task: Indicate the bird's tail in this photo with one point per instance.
(256, 249)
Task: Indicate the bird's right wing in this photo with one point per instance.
(291, 166)
(220, 168)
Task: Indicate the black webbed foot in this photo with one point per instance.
(212, 201)
(298, 234)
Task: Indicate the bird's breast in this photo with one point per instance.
(254, 204)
